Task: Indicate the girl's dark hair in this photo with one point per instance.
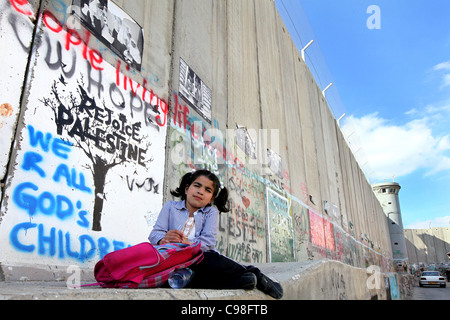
(220, 194)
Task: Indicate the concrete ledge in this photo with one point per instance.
(319, 279)
(57, 290)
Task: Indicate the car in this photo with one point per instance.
(432, 278)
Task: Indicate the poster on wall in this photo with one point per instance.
(281, 237)
(274, 163)
(195, 91)
(113, 27)
(245, 142)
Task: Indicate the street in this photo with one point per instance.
(431, 293)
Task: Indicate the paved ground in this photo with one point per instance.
(431, 293)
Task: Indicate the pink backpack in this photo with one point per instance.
(145, 265)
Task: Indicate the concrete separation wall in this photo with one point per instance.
(108, 121)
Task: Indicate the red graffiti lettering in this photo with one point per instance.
(135, 86)
(181, 111)
(53, 24)
(165, 109)
(19, 6)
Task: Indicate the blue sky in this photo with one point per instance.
(391, 78)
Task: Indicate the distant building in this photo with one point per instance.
(387, 195)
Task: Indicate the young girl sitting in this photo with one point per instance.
(195, 218)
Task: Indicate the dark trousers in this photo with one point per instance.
(216, 271)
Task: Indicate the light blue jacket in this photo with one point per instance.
(174, 214)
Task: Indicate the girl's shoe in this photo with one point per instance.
(270, 287)
(247, 281)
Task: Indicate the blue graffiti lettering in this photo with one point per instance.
(71, 178)
(70, 253)
(60, 244)
(46, 202)
(46, 197)
(24, 200)
(59, 147)
(83, 222)
(103, 246)
(38, 138)
(62, 212)
(42, 239)
(51, 242)
(14, 236)
(84, 253)
(30, 160)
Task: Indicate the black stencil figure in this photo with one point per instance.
(106, 137)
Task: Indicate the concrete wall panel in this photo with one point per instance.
(17, 24)
(428, 246)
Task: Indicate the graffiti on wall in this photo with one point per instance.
(299, 213)
(90, 155)
(321, 229)
(46, 212)
(393, 285)
(194, 145)
(107, 141)
(245, 226)
(280, 228)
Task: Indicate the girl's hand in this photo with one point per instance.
(173, 236)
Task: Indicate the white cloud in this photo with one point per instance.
(438, 222)
(413, 111)
(392, 149)
(443, 66)
(445, 80)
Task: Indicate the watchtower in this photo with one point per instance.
(387, 195)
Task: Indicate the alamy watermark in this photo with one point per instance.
(198, 144)
(375, 280)
(374, 20)
(74, 280)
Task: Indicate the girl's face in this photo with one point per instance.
(199, 194)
